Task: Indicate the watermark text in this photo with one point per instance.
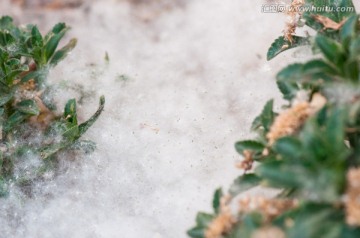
(283, 8)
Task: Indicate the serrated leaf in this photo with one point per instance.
(281, 44)
(244, 183)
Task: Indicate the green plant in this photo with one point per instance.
(30, 126)
(310, 151)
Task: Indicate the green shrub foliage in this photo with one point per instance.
(310, 151)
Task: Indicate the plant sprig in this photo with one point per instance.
(309, 151)
(26, 56)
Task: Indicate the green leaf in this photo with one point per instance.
(348, 30)
(72, 133)
(256, 124)
(267, 115)
(53, 42)
(264, 121)
(70, 112)
(288, 147)
(28, 107)
(59, 27)
(352, 70)
(350, 232)
(292, 71)
(354, 49)
(86, 125)
(63, 52)
(6, 23)
(325, 142)
(48, 151)
(288, 89)
(39, 75)
(314, 72)
(281, 44)
(36, 39)
(196, 232)
(318, 66)
(315, 224)
(5, 95)
(204, 219)
(249, 145)
(331, 49)
(282, 175)
(15, 119)
(335, 135)
(244, 183)
(216, 200)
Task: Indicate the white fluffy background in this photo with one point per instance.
(197, 76)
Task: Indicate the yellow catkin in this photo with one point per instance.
(269, 232)
(269, 208)
(224, 222)
(290, 120)
(352, 204)
(221, 225)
